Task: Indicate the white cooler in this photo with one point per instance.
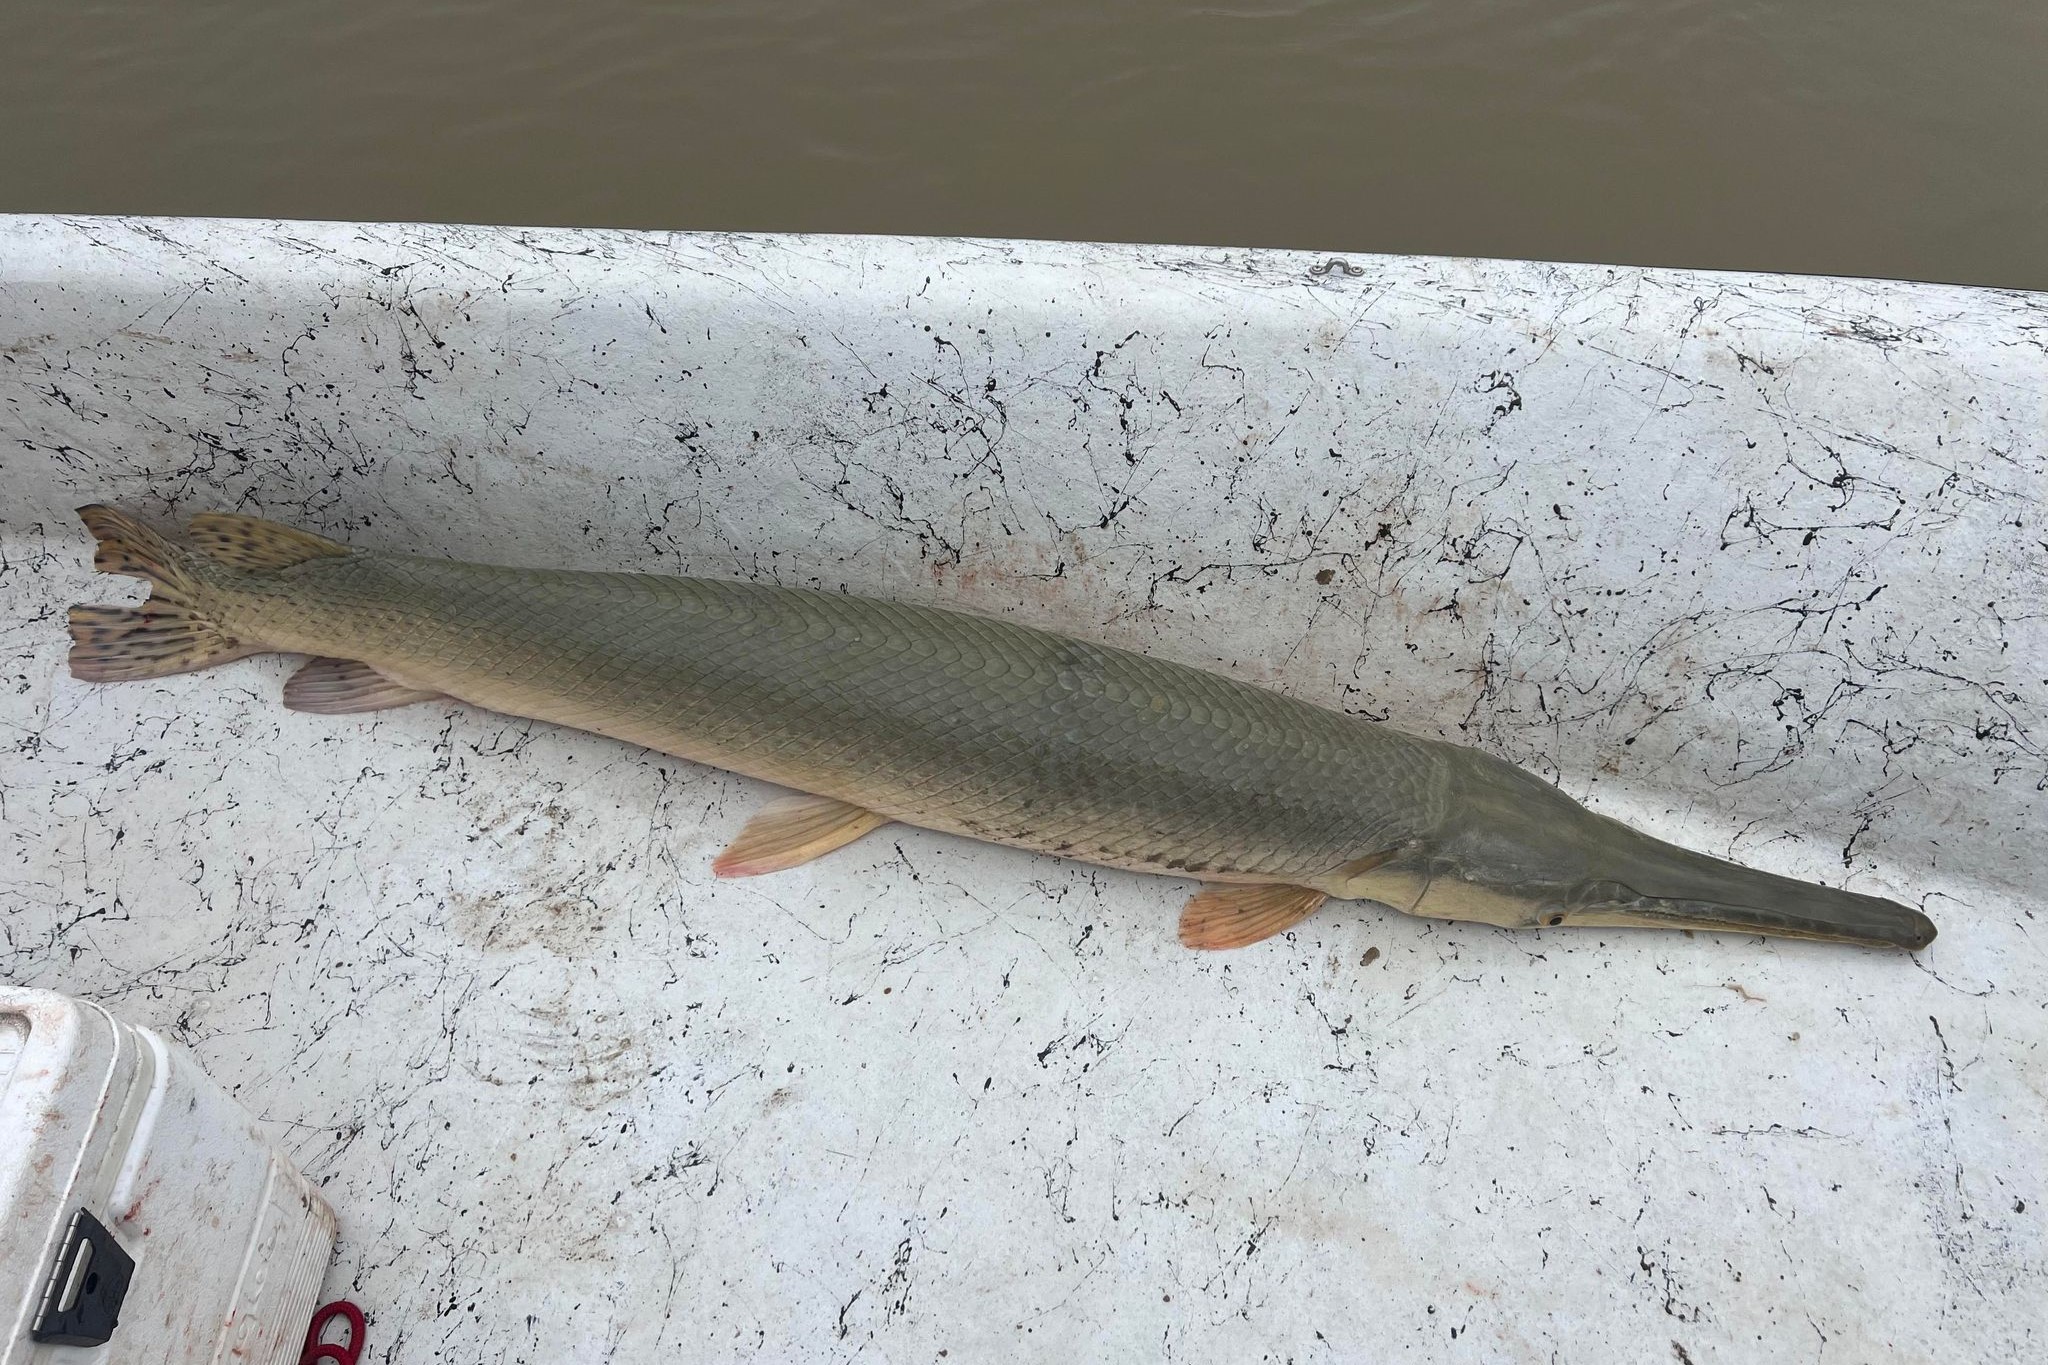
(143, 1215)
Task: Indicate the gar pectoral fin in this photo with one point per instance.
(791, 831)
(1231, 916)
(343, 687)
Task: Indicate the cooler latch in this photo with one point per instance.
(82, 1303)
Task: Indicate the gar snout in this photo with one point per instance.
(1520, 852)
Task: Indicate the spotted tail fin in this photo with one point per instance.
(169, 633)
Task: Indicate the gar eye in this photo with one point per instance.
(1554, 921)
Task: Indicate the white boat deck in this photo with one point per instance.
(1757, 562)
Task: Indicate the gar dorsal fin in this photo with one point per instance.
(253, 544)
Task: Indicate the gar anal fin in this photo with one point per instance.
(343, 687)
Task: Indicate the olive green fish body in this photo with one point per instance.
(946, 720)
(932, 717)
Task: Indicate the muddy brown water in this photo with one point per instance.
(1880, 137)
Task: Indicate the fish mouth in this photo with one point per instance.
(1791, 910)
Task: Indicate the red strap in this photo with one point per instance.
(346, 1352)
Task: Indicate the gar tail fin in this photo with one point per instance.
(169, 633)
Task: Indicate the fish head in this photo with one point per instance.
(1486, 876)
(1510, 850)
(1514, 851)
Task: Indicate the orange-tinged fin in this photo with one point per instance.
(341, 687)
(167, 634)
(792, 830)
(252, 544)
(1226, 915)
